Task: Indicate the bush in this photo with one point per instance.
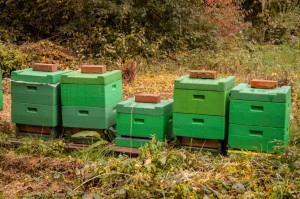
(273, 21)
(119, 29)
(12, 59)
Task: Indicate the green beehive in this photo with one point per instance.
(89, 100)
(257, 117)
(199, 126)
(89, 117)
(137, 122)
(91, 95)
(202, 96)
(36, 97)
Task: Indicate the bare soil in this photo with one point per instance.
(21, 174)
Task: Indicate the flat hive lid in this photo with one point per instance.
(244, 91)
(219, 84)
(28, 75)
(130, 106)
(76, 77)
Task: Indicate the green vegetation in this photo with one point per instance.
(248, 39)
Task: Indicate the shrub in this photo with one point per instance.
(118, 29)
(12, 59)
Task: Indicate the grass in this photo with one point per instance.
(161, 172)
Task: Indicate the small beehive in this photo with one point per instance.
(258, 117)
(90, 97)
(140, 118)
(201, 106)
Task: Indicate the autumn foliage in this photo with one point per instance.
(226, 15)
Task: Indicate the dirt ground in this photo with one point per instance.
(5, 114)
(21, 174)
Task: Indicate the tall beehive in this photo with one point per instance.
(36, 97)
(258, 117)
(89, 100)
(201, 107)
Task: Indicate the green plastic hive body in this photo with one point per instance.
(257, 117)
(130, 106)
(35, 114)
(139, 121)
(91, 95)
(199, 126)
(28, 75)
(35, 93)
(245, 92)
(219, 84)
(77, 77)
(258, 113)
(144, 126)
(131, 142)
(89, 117)
(262, 139)
(201, 102)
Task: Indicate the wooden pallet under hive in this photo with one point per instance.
(214, 146)
(26, 130)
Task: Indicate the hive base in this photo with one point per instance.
(26, 130)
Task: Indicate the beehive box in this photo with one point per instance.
(199, 126)
(36, 97)
(89, 100)
(89, 117)
(139, 121)
(258, 117)
(35, 114)
(202, 96)
(257, 138)
(91, 95)
(36, 87)
(260, 107)
(35, 93)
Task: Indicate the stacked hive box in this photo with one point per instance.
(36, 100)
(138, 121)
(89, 100)
(201, 106)
(258, 116)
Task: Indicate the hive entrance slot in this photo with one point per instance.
(199, 97)
(257, 108)
(140, 121)
(32, 110)
(198, 121)
(32, 88)
(256, 132)
(83, 112)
